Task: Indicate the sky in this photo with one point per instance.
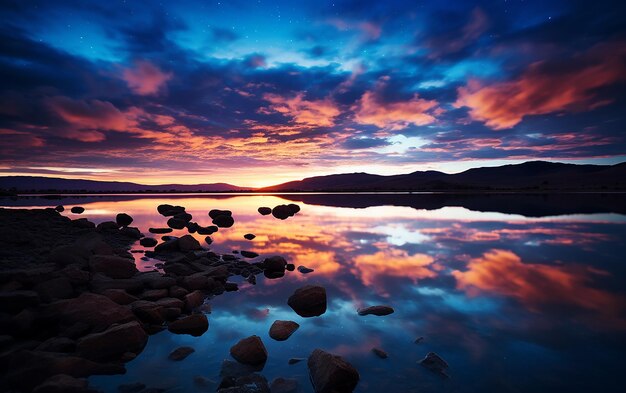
(256, 93)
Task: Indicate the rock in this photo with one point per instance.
(155, 280)
(380, 353)
(178, 269)
(160, 230)
(249, 254)
(275, 264)
(168, 245)
(295, 360)
(330, 373)
(170, 302)
(113, 342)
(57, 288)
(100, 282)
(112, 266)
(83, 223)
(214, 213)
(135, 387)
(169, 210)
(435, 363)
(284, 385)
(180, 353)
(69, 255)
(77, 209)
(195, 325)
(251, 383)
(282, 330)
(207, 230)
(57, 344)
(223, 221)
(188, 243)
(62, 383)
(192, 227)
(308, 301)
(194, 282)
(208, 240)
(376, 310)
(148, 242)
(176, 223)
(108, 226)
(96, 311)
(249, 350)
(123, 219)
(119, 296)
(154, 294)
(418, 340)
(170, 313)
(281, 212)
(183, 216)
(249, 236)
(265, 211)
(193, 300)
(293, 208)
(203, 382)
(131, 232)
(148, 312)
(60, 208)
(305, 270)
(178, 292)
(15, 301)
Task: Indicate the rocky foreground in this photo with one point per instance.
(72, 303)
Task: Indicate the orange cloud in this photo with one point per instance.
(535, 285)
(544, 88)
(146, 78)
(315, 113)
(371, 109)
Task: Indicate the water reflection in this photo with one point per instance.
(512, 302)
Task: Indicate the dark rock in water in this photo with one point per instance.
(15, 301)
(195, 325)
(273, 275)
(249, 236)
(188, 243)
(57, 288)
(108, 227)
(380, 353)
(183, 216)
(62, 383)
(375, 310)
(281, 212)
(265, 211)
(123, 219)
(131, 387)
(167, 245)
(308, 301)
(305, 270)
(223, 221)
(282, 330)
(156, 280)
(113, 342)
(59, 208)
(131, 232)
(293, 208)
(233, 369)
(290, 267)
(148, 242)
(154, 294)
(249, 350)
(231, 287)
(284, 385)
(203, 382)
(249, 254)
(180, 353)
(295, 360)
(160, 230)
(176, 223)
(95, 311)
(435, 363)
(330, 373)
(169, 210)
(77, 210)
(113, 266)
(194, 299)
(192, 227)
(418, 340)
(208, 240)
(217, 212)
(83, 223)
(207, 230)
(30, 368)
(275, 264)
(119, 296)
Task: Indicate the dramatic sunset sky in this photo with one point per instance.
(260, 92)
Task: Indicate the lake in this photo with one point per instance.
(516, 293)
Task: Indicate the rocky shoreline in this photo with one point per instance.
(73, 304)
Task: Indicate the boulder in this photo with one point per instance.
(156, 280)
(70, 254)
(154, 294)
(207, 230)
(178, 292)
(380, 353)
(376, 310)
(15, 301)
(183, 216)
(123, 219)
(208, 240)
(293, 208)
(223, 221)
(265, 211)
(57, 288)
(148, 242)
(249, 236)
(62, 383)
(58, 344)
(180, 353)
(305, 270)
(119, 296)
(59, 208)
(331, 374)
(282, 330)
(435, 363)
(188, 243)
(195, 325)
(217, 212)
(132, 232)
(159, 230)
(194, 299)
(77, 209)
(281, 212)
(275, 264)
(100, 282)
(113, 342)
(169, 210)
(176, 223)
(96, 311)
(249, 254)
(83, 223)
(250, 351)
(108, 226)
(284, 385)
(308, 301)
(112, 266)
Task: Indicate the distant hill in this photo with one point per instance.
(60, 185)
(533, 175)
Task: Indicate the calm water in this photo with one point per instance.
(517, 294)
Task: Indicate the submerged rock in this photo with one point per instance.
(180, 353)
(308, 301)
(295, 360)
(375, 310)
(113, 342)
(435, 363)
(380, 353)
(195, 325)
(282, 330)
(330, 373)
(249, 350)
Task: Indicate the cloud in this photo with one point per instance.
(372, 109)
(444, 44)
(546, 87)
(310, 113)
(368, 30)
(146, 78)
